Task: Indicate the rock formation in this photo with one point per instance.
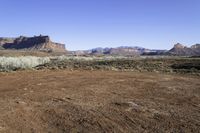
(181, 50)
(36, 43)
(122, 51)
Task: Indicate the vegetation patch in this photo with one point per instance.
(115, 63)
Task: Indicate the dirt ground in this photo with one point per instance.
(59, 101)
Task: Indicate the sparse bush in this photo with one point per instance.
(14, 63)
(181, 65)
(76, 58)
(1, 48)
(91, 58)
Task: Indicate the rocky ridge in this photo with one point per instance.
(181, 50)
(119, 51)
(36, 43)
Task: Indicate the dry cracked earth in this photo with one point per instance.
(62, 101)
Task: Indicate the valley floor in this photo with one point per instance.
(57, 101)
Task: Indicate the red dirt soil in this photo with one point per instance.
(98, 101)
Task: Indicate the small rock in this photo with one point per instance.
(39, 84)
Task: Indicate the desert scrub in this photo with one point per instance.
(74, 58)
(90, 58)
(24, 62)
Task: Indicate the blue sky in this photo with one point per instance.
(85, 24)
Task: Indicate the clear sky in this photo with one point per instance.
(85, 24)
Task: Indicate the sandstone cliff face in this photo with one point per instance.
(124, 51)
(121, 51)
(181, 50)
(36, 43)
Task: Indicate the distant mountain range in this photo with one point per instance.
(177, 50)
(123, 51)
(43, 43)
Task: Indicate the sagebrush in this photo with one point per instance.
(13, 63)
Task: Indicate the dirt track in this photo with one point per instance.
(98, 101)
